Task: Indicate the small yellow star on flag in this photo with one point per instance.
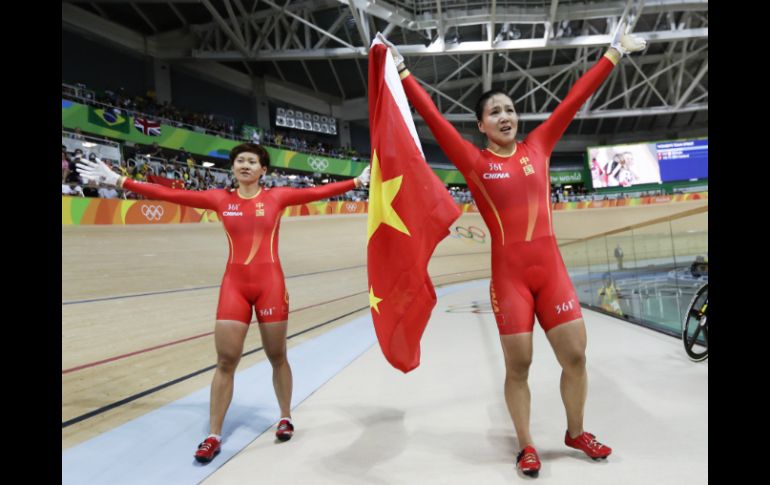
(373, 300)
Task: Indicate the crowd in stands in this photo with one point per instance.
(299, 144)
(461, 195)
(181, 166)
(580, 193)
(218, 125)
(569, 194)
(148, 105)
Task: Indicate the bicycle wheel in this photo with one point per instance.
(695, 330)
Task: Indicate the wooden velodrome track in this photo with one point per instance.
(138, 302)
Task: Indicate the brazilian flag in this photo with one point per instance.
(106, 118)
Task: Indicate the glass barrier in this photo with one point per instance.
(647, 274)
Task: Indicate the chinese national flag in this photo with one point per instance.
(410, 212)
(174, 184)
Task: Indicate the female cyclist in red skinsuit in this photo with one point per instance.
(253, 277)
(511, 186)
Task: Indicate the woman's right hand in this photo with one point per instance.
(397, 58)
(97, 171)
(625, 42)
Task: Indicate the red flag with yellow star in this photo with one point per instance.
(174, 184)
(410, 212)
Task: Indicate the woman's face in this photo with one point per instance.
(499, 121)
(247, 169)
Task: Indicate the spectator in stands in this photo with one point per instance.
(108, 193)
(609, 296)
(155, 150)
(65, 164)
(72, 176)
(123, 168)
(91, 189)
(75, 189)
(186, 157)
(141, 172)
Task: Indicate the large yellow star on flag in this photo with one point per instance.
(381, 195)
(373, 300)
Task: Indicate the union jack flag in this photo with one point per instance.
(147, 127)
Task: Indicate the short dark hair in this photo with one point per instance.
(483, 101)
(259, 150)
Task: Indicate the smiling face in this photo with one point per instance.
(247, 169)
(499, 120)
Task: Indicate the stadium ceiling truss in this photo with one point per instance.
(532, 49)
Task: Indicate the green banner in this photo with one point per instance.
(453, 177)
(566, 177)
(307, 162)
(74, 115)
(96, 121)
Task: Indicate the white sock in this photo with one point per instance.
(287, 419)
(217, 436)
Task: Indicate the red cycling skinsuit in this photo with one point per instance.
(253, 276)
(513, 196)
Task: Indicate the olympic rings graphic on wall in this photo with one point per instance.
(318, 164)
(152, 212)
(473, 233)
